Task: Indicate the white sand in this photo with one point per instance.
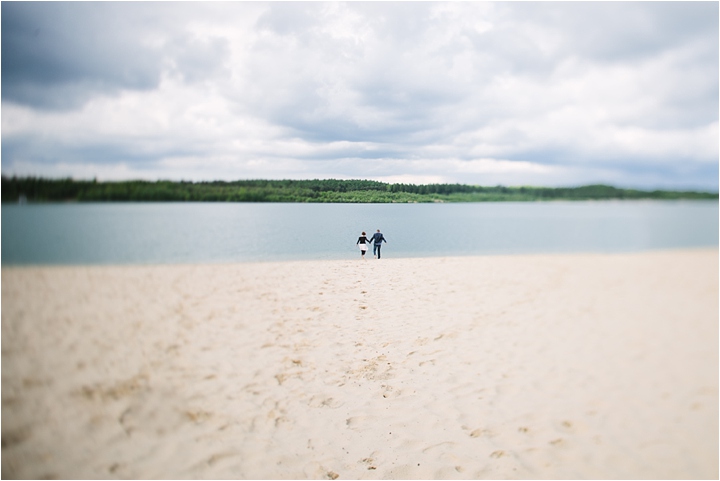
(574, 366)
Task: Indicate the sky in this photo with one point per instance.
(487, 93)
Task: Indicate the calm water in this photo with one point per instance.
(142, 233)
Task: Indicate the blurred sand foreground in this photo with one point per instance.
(568, 366)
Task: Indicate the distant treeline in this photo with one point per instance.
(35, 189)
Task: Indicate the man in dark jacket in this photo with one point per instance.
(377, 239)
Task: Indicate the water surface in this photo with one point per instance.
(148, 233)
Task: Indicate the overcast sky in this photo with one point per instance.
(566, 93)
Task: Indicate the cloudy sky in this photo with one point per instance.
(510, 93)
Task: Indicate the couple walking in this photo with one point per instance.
(377, 239)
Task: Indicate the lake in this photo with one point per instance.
(150, 233)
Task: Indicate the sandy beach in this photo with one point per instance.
(505, 367)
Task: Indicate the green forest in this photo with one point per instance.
(36, 189)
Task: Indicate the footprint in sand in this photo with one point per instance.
(390, 392)
(324, 402)
(197, 416)
(369, 462)
(354, 421)
(358, 422)
(15, 436)
(567, 427)
(442, 445)
(479, 432)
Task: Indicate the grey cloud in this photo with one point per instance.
(289, 18)
(534, 38)
(48, 152)
(390, 94)
(677, 175)
(57, 55)
(197, 59)
(621, 31)
(402, 128)
(693, 98)
(103, 151)
(395, 80)
(400, 114)
(398, 23)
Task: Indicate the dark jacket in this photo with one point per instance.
(378, 238)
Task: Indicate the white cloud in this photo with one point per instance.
(496, 166)
(513, 93)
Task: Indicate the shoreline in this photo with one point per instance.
(354, 257)
(501, 366)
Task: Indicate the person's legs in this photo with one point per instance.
(378, 249)
(375, 250)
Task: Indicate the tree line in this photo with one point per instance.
(38, 189)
